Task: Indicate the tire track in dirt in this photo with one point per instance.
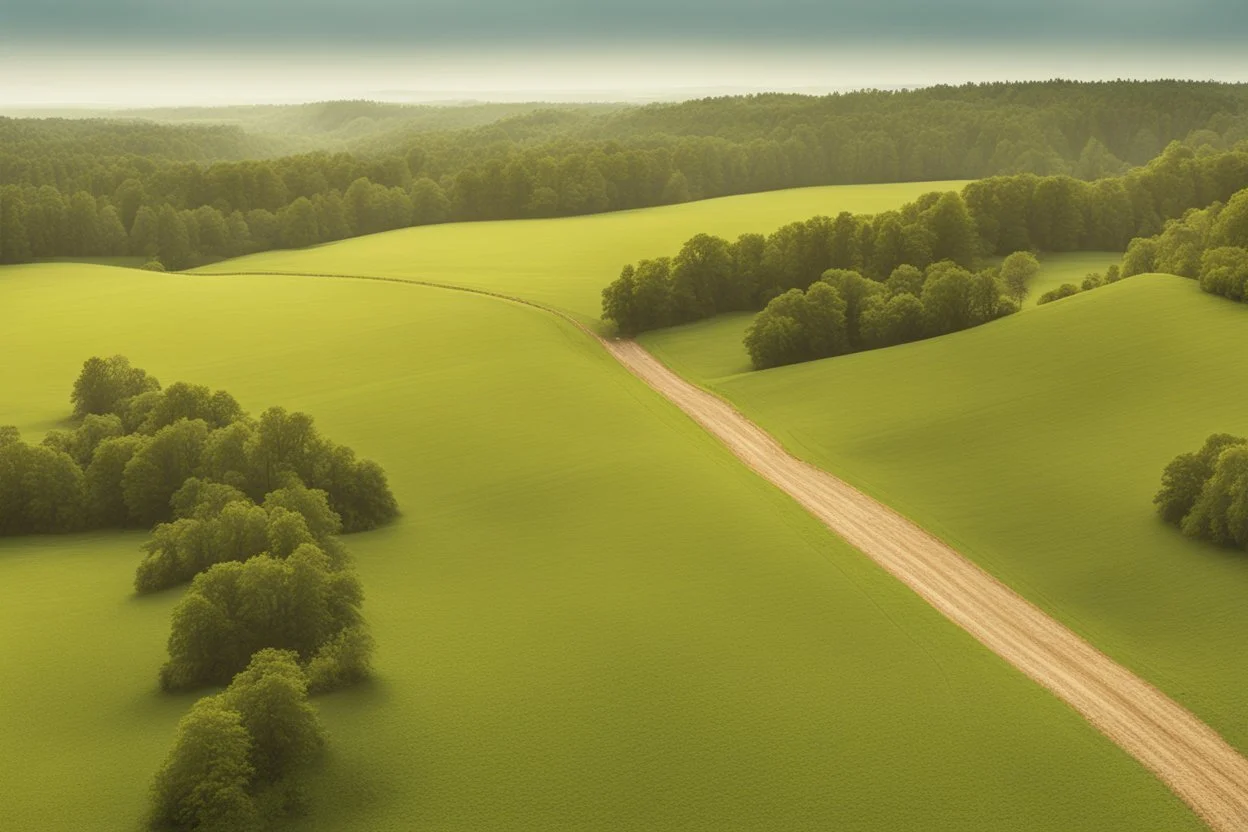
(1189, 756)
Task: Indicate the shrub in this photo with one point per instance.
(1092, 281)
(1063, 291)
(342, 661)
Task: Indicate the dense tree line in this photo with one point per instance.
(845, 312)
(710, 275)
(1206, 493)
(236, 756)
(1209, 245)
(62, 197)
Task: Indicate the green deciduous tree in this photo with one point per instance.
(1017, 272)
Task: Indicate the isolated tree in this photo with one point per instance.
(1017, 272)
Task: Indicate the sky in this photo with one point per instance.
(132, 52)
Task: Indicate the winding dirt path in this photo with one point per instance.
(1201, 768)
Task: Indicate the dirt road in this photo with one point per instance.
(1185, 753)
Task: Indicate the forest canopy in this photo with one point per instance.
(184, 194)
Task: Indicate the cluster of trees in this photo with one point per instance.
(846, 312)
(137, 445)
(991, 217)
(1206, 493)
(299, 600)
(103, 188)
(1209, 245)
(710, 275)
(237, 754)
(217, 523)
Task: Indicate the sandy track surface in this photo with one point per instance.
(1201, 768)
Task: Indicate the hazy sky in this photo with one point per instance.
(165, 51)
(402, 22)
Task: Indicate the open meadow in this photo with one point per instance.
(589, 615)
(1034, 445)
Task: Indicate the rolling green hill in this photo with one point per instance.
(713, 350)
(565, 263)
(589, 616)
(1034, 445)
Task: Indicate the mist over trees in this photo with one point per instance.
(180, 195)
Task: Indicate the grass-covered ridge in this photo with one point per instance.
(1034, 445)
(596, 618)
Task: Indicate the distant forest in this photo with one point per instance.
(191, 192)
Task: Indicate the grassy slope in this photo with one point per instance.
(590, 616)
(712, 350)
(566, 262)
(1035, 444)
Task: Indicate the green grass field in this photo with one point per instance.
(1034, 445)
(589, 617)
(565, 263)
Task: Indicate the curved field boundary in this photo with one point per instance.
(1192, 759)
